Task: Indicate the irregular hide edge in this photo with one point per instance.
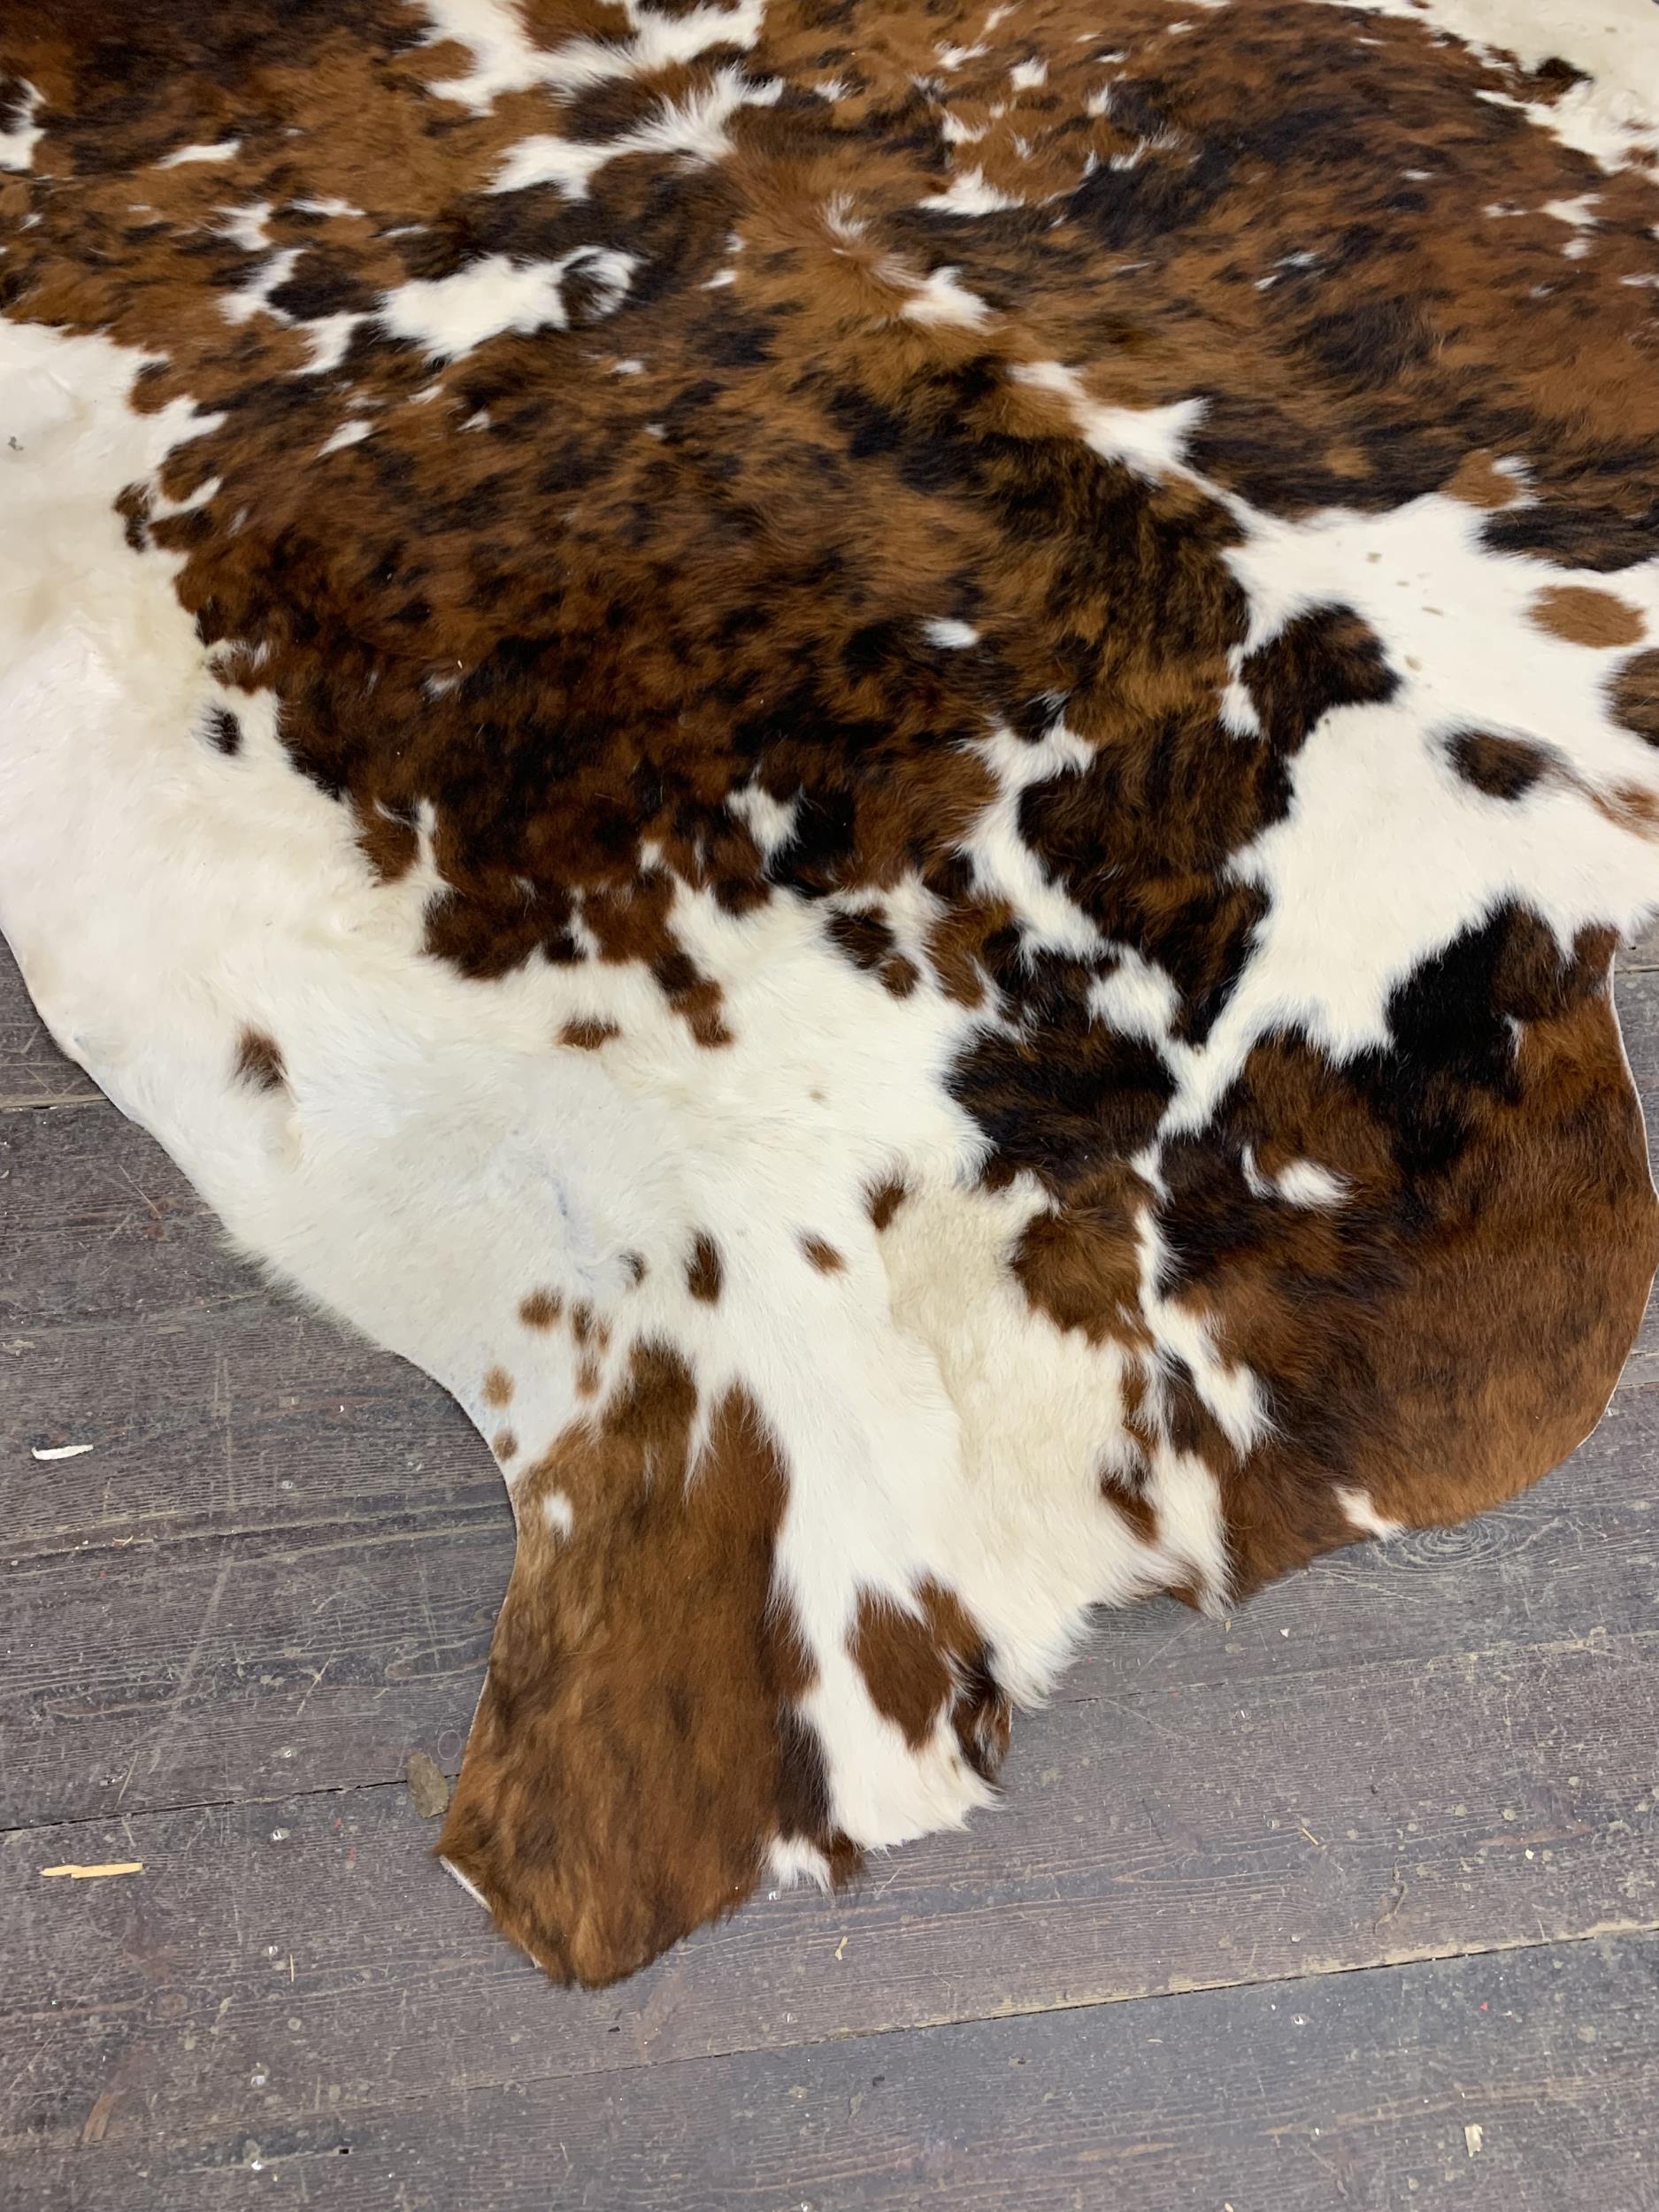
(851, 1305)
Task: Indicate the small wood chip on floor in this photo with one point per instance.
(98, 2119)
(94, 1873)
(426, 1784)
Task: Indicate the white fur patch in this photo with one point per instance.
(1149, 439)
(471, 1887)
(449, 316)
(969, 194)
(950, 634)
(771, 821)
(248, 226)
(943, 300)
(1305, 1183)
(693, 127)
(254, 297)
(19, 138)
(792, 1862)
(222, 149)
(1364, 1516)
(352, 432)
(504, 59)
(1003, 864)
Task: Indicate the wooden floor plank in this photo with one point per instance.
(1642, 952)
(1313, 1823)
(254, 1417)
(101, 1226)
(1516, 2082)
(244, 1669)
(33, 1072)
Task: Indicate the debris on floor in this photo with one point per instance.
(426, 1784)
(94, 1873)
(98, 2119)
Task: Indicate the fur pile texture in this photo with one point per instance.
(880, 762)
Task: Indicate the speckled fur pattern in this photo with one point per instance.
(878, 762)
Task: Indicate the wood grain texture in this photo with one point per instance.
(1641, 952)
(244, 1417)
(1515, 2082)
(1152, 1845)
(33, 1072)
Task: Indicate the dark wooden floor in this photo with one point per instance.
(1353, 1902)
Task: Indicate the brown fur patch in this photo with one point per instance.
(497, 1387)
(884, 1202)
(823, 1255)
(540, 1310)
(258, 1061)
(870, 944)
(1135, 1509)
(388, 842)
(1450, 1368)
(1634, 696)
(224, 732)
(504, 1444)
(1631, 807)
(587, 1036)
(1478, 482)
(1502, 767)
(705, 1272)
(1082, 1265)
(908, 1676)
(1585, 616)
(916, 1665)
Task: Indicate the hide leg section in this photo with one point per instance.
(639, 1759)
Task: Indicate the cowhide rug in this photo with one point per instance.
(880, 762)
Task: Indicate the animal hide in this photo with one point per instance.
(879, 762)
